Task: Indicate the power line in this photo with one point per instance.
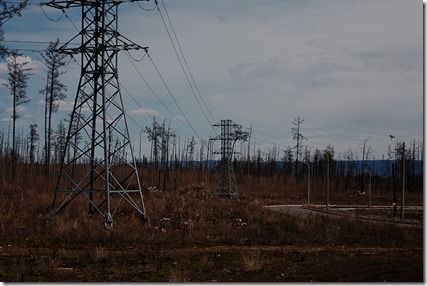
(53, 20)
(153, 92)
(28, 50)
(182, 67)
(32, 42)
(185, 61)
(160, 101)
(133, 98)
(272, 136)
(17, 2)
(278, 141)
(128, 93)
(173, 98)
(136, 101)
(71, 21)
(148, 10)
(274, 140)
(134, 121)
(28, 42)
(57, 20)
(99, 91)
(186, 64)
(139, 125)
(143, 109)
(136, 60)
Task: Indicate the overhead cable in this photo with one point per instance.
(173, 98)
(152, 91)
(148, 10)
(47, 16)
(140, 106)
(189, 75)
(71, 21)
(185, 61)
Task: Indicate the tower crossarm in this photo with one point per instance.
(86, 49)
(79, 3)
(91, 29)
(230, 133)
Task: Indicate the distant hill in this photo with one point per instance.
(376, 167)
(384, 167)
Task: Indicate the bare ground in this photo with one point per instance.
(214, 263)
(230, 242)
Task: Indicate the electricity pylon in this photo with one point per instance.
(98, 161)
(230, 133)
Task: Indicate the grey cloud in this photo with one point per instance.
(355, 63)
(391, 60)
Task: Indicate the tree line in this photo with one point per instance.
(292, 165)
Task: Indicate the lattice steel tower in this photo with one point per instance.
(230, 133)
(98, 161)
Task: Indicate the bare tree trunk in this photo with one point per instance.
(13, 137)
(45, 128)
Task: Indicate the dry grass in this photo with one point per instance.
(100, 254)
(206, 262)
(176, 275)
(253, 261)
(190, 216)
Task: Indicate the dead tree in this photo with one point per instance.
(54, 91)
(366, 152)
(298, 137)
(19, 73)
(33, 138)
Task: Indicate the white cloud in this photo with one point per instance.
(220, 98)
(144, 111)
(65, 105)
(6, 119)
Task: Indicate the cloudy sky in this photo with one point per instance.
(352, 69)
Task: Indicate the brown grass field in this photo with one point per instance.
(195, 236)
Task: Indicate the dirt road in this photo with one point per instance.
(347, 212)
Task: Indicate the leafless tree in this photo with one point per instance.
(288, 158)
(190, 151)
(19, 73)
(366, 152)
(54, 91)
(33, 138)
(60, 139)
(298, 137)
(154, 136)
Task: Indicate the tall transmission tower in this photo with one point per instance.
(98, 162)
(230, 133)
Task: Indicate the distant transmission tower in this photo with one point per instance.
(230, 133)
(98, 162)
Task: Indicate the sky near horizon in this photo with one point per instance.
(352, 69)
